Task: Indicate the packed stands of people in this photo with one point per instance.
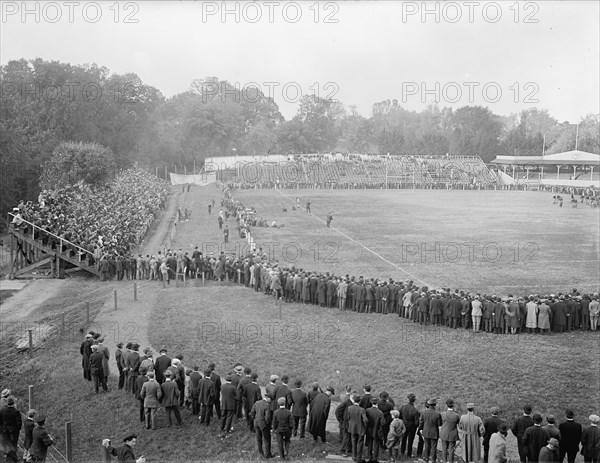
(354, 171)
(109, 220)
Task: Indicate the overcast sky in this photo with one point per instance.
(508, 56)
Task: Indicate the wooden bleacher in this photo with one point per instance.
(33, 247)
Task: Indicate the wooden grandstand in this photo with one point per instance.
(400, 171)
(33, 247)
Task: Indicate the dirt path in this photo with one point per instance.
(130, 322)
(34, 294)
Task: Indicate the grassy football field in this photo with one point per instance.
(495, 242)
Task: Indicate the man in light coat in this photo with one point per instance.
(470, 428)
(151, 394)
(449, 432)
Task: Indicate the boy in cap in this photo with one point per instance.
(394, 437)
(549, 453)
(283, 423)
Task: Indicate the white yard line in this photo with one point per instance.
(414, 277)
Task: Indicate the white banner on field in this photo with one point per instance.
(197, 179)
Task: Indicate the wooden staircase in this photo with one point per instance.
(33, 247)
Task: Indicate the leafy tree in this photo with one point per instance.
(74, 162)
(587, 140)
(476, 132)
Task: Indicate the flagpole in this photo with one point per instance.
(544, 146)
(576, 137)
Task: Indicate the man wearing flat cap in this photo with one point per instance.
(470, 428)
(125, 452)
(261, 416)
(41, 440)
(429, 423)
(549, 452)
(590, 441)
(151, 394)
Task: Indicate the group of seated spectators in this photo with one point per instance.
(100, 220)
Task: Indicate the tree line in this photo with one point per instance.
(44, 104)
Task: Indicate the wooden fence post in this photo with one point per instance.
(31, 403)
(69, 441)
(30, 332)
(135, 291)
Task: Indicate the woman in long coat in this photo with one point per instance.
(471, 429)
(532, 312)
(544, 316)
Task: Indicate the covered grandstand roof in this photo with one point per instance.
(573, 157)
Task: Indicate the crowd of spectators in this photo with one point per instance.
(109, 220)
(371, 424)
